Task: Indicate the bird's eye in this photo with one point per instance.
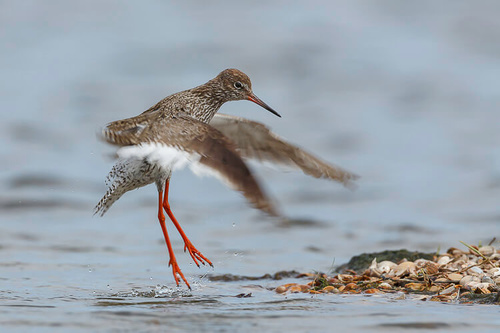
(238, 85)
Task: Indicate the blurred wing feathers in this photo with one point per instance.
(254, 140)
(187, 134)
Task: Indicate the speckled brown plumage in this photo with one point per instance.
(180, 121)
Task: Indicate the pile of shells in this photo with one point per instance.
(451, 276)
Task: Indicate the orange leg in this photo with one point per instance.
(175, 267)
(195, 254)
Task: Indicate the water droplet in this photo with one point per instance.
(234, 224)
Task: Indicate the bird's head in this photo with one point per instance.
(237, 86)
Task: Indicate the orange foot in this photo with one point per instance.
(176, 270)
(195, 254)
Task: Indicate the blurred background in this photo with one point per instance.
(404, 94)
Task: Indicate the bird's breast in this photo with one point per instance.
(160, 155)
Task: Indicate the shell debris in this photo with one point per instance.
(455, 276)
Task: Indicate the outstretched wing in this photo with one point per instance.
(154, 136)
(254, 140)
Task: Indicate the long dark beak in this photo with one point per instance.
(257, 100)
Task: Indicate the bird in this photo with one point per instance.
(184, 129)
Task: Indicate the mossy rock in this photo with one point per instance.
(493, 298)
(361, 262)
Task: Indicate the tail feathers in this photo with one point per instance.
(107, 201)
(125, 176)
(113, 180)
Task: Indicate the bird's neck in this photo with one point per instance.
(204, 101)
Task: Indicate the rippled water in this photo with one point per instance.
(404, 94)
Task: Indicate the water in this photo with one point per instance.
(404, 94)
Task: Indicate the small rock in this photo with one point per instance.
(468, 279)
(281, 289)
(487, 279)
(404, 268)
(386, 266)
(295, 289)
(443, 260)
(431, 268)
(475, 271)
(487, 250)
(455, 276)
(450, 290)
(434, 289)
(385, 285)
(415, 286)
(330, 289)
(494, 272)
(372, 291)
